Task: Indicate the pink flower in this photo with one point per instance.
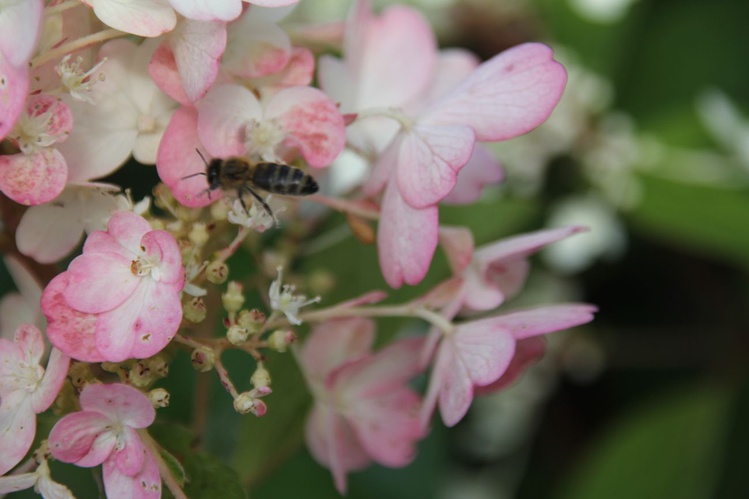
(446, 107)
(121, 298)
(364, 410)
(26, 389)
(39, 172)
(478, 353)
(495, 271)
(104, 432)
(231, 121)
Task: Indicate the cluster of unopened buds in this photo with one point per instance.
(188, 85)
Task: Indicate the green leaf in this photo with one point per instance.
(704, 219)
(669, 448)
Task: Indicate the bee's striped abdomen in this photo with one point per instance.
(283, 179)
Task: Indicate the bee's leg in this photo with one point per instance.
(262, 202)
(241, 200)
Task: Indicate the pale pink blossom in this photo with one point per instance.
(129, 114)
(149, 18)
(39, 172)
(20, 24)
(26, 389)
(104, 432)
(231, 121)
(446, 107)
(364, 410)
(121, 298)
(478, 353)
(495, 271)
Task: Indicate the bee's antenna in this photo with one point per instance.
(199, 173)
(201, 156)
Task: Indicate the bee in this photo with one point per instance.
(240, 175)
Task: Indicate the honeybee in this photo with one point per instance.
(240, 175)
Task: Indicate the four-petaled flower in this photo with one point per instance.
(104, 432)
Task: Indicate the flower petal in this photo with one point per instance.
(33, 179)
(69, 330)
(119, 402)
(54, 377)
(162, 245)
(506, 96)
(255, 47)
(202, 10)
(17, 428)
(542, 320)
(163, 71)
(223, 114)
(83, 438)
(146, 484)
(314, 124)
(14, 85)
(481, 170)
(98, 282)
(20, 24)
(406, 239)
(147, 18)
(197, 47)
(332, 343)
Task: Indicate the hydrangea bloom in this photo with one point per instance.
(121, 298)
(104, 432)
(26, 389)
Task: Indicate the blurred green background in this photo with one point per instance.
(651, 400)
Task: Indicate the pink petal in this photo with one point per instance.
(482, 169)
(119, 402)
(162, 245)
(453, 66)
(67, 329)
(299, 70)
(457, 242)
(33, 179)
(143, 325)
(201, 10)
(20, 24)
(540, 320)
(54, 377)
(506, 96)
(271, 3)
(384, 167)
(30, 343)
(17, 428)
(60, 116)
(255, 47)
(146, 484)
(388, 427)
(523, 245)
(128, 229)
(482, 292)
(98, 282)
(149, 18)
(332, 343)
(391, 56)
(177, 159)
(527, 352)
(314, 124)
(76, 438)
(406, 239)
(333, 443)
(223, 115)
(14, 85)
(164, 73)
(429, 161)
(197, 47)
(129, 460)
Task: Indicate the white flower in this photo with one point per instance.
(256, 218)
(282, 299)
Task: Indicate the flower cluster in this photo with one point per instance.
(220, 99)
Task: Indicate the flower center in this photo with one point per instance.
(32, 132)
(146, 124)
(262, 138)
(142, 267)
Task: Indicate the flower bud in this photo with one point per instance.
(236, 335)
(158, 366)
(194, 310)
(159, 397)
(252, 320)
(80, 374)
(203, 359)
(246, 403)
(261, 377)
(140, 375)
(187, 214)
(233, 298)
(280, 340)
(199, 234)
(217, 272)
(220, 210)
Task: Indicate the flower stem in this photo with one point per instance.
(227, 252)
(75, 45)
(386, 112)
(346, 206)
(164, 470)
